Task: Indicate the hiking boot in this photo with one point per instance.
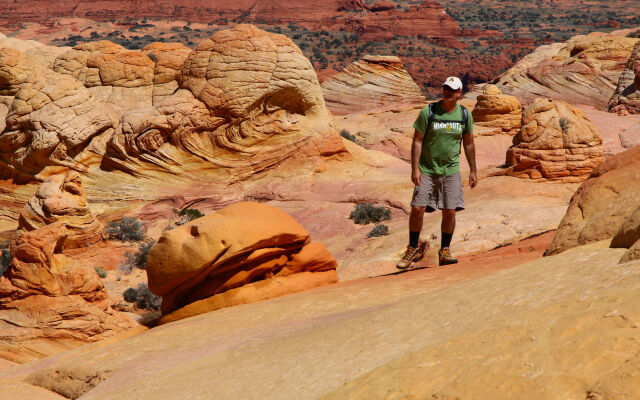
(411, 255)
(445, 257)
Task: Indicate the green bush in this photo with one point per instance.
(128, 229)
(378, 230)
(564, 124)
(188, 214)
(130, 295)
(347, 135)
(5, 261)
(101, 272)
(146, 299)
(143, 297)
(366, 213)
(136, 260)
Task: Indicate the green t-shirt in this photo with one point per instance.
(441, 144)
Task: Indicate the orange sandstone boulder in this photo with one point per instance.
(48, 303)
(244, 252)
(496, 110)
(604, 206)
(556, 142)
(373, 83)
(61, 198)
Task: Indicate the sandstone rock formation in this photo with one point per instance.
(628, 237)
(584, 69)
(561, 327)
(47, 302)
(61, 198)
(373, 83)
(556, 142)
(244, 101)
(626, 98)
(235, 256)
(602, 204)
(496, 110)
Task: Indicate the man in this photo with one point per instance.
(435, 169)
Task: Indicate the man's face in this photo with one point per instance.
(450, 94)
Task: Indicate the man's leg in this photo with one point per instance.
(447, 227)
(415, 225)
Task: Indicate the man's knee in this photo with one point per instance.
(448, 214)
(417, 210)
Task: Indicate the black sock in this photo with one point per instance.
(445, 241)
(413, 238)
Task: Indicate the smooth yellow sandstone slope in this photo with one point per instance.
(561, 327)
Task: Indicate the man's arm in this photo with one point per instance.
(470, 153)
(416, 149)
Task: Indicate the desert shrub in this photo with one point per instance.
(366, 213)
(128, 229)
(101, 272)
(130, 295)
(146, 299)
(564, 124)
(5, 261)
(347, 135)
(153, 57)
(143, 297)
(137, 259)
(379, 230)
(188, 214)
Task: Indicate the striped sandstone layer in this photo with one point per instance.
(373, 83)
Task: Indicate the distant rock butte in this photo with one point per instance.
(48, 303)
(585, 69)
(242, 102)
(373, 83)
(626, 98)
(603, 204)
(243, 253)
(557, 142)
(377, 20)
(496, 110)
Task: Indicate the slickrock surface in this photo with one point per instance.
(48, 303)
(585, 70)
(602, 204)
(626, 98)
(496, 110)
(235, 256)
(61, 198)
(557, 142)
(375, 83)
(558, 327)
(630, 137)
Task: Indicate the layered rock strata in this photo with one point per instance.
(604, 206)
(556, 142)
(242, 102)
(584, 68)
(373, 83)
(496, 110)
(61, 198)
(48, 303)
(243, 253)
(626, 98)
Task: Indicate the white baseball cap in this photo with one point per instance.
(453, 82)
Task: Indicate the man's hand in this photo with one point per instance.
(416, 176)
(473, 179)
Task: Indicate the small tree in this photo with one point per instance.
(347, 135)
(5, 261)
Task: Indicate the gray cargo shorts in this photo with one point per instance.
(443, 192)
